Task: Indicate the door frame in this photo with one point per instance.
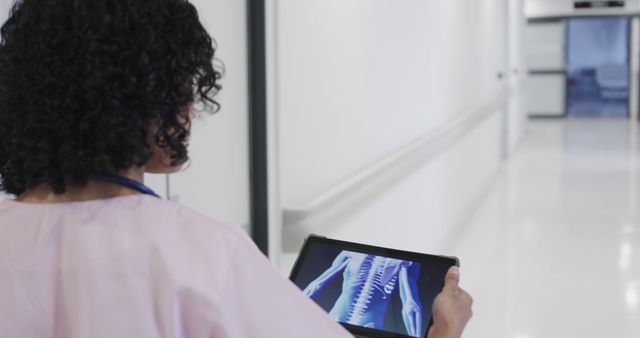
(258, 152)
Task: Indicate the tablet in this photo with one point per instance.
(372, 291)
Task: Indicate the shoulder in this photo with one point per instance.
(185, 219)
(177, 231)
(196, 248)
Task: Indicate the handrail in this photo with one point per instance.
(425, 147)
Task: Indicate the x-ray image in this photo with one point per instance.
(368, 287)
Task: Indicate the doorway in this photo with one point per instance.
(597, 67)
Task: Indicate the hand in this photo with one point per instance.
(451, 308)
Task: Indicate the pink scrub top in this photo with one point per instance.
(138, 266)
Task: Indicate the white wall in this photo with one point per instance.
(361, 78)
(357, 80)
(5, 6)
(517, 119)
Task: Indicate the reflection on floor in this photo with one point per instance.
(554, 249)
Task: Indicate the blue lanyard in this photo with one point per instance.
(122, 181)
(129, 183)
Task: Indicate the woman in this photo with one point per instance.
(93, 94)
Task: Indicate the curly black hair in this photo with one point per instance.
(82, 81)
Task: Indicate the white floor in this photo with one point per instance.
(554, 250)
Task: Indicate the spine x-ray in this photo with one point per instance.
(369, 282)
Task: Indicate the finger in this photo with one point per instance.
(452, 279)
(466, 296)
(469, 299)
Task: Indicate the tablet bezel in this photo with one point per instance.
(378, 251)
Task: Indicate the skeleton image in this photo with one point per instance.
(368, 283)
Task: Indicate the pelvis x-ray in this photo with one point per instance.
(369, 282)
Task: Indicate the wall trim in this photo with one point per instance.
(394, 167)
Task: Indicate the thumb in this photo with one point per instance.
(452, 279)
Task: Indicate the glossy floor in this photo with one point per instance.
(554, 249)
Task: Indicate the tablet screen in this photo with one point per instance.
(373, 289)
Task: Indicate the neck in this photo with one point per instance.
(136, 174)
(94, 190)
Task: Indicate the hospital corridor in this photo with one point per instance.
(320, 168)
